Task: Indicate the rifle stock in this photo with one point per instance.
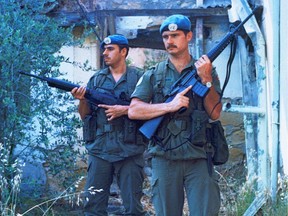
(93, 96)
(149, 127)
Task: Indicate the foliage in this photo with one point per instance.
(248, 192)
(280, 206)
(8, 205)
(237, 194)
(37, 123)
(69, 194)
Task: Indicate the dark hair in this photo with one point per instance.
(122, 46)
(185, 31)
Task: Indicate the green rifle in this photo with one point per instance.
(93, 96)
(190, 79)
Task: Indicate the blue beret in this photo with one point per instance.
(175, 22)
(114, 39)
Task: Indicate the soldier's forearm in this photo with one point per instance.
(83, 108)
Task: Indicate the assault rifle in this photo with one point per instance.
(93, 96)
(149, 127)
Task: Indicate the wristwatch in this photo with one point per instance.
(208, 84)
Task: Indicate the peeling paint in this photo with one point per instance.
(249, 126)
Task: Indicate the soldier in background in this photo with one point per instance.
(112, 140)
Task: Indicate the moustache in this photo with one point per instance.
(171, 46)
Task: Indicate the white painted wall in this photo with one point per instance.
(89, 52)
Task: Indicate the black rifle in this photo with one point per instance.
(93, 96)
(149, 127)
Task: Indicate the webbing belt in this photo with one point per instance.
(106, 128)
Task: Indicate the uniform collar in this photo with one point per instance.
(190, 65)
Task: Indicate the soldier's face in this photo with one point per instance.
(176, 41)
(111, 54)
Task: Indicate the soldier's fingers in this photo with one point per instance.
(186, 90)
(74, 90)
(104, 106)
(205, 57)
(82, 89)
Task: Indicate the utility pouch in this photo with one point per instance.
(130, 131)
(89, 128)
(219, 143)
(198, 129)
(175, 127)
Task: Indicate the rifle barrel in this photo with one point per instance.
(93, 96)
(217, 50)
(60, 84)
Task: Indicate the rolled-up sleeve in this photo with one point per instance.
(144, 88)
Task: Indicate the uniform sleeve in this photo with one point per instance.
(144, 87)
(90, 86)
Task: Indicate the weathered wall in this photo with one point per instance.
(140, 4)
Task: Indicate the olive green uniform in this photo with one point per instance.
(113, 148)
(178, 148)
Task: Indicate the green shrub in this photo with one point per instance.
(38, 124)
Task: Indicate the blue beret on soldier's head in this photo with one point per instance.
(175, 22)
(114, 39)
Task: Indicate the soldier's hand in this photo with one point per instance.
(204, 69)
(78, 93)
(114, 111)
(180, 100)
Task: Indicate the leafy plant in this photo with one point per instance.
(9, 187)
(38, 124)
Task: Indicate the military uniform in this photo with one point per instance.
(178, 148)
(111, 152)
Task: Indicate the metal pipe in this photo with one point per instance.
(227, 107)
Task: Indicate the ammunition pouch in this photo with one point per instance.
(198, 127)
(219, 143)
(89, 128)
(130, 131)
(127, 126)
(176, 126)
(107, 128)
